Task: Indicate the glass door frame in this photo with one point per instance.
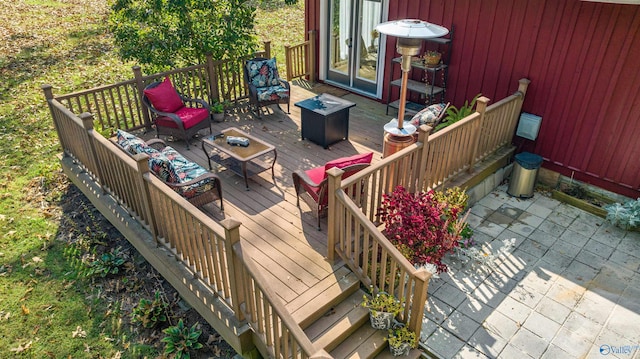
(375, 90)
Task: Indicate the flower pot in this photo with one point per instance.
(432, 60)
(399, 350)
(381, 320)
(218, 117)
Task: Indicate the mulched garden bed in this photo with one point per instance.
(580, 197)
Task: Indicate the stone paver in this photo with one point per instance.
(568, 288)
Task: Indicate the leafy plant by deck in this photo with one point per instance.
(150, 313)
(181, 340)
(425, 226)
(455, 114)
(171, 34)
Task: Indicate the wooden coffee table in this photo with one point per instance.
(248, 161)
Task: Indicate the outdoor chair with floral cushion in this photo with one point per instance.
(187, 178)
(313, 184)
(174, 114)
(265, 85)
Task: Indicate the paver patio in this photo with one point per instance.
(569, 287)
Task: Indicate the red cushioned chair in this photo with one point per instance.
(174, 114)
(315, 184)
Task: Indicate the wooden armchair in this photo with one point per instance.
(314, 182)
(174, 114)
(265, 86)
(187, 178)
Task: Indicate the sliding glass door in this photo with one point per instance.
(353, 44)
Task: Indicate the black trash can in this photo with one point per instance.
(523, 177)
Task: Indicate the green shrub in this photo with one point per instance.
(625, 215)
(150, 313)
(181, 340)
(109, 263)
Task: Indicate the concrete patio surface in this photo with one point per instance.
(569, 287)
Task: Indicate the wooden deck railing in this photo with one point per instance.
(280, 334)
(196, 240)
(119, 106)
(211, 251)
(370, 255)
(300, 59)
(353, 221)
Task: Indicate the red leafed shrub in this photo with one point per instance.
(424, 226)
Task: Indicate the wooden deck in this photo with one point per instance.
(282, 238)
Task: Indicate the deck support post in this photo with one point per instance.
(87, 124)
(267, 49)
(137, 75)
(481, 108)
(418, 301)
(214, 95)
(232, 237)
(48, 95)
(523, 84)
(334, 176)
(142, 162)
(423, 138)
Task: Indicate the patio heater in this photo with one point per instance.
(410, 33)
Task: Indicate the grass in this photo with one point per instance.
(46, 308)
(282, 25)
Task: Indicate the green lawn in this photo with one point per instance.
(46, 233)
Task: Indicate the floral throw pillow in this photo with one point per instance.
(263, 73)
(428, 115)
(131, 143)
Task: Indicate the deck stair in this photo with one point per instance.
(333, 319)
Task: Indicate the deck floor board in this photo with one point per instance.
(281, 237)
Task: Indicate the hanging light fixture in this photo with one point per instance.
(410, 33)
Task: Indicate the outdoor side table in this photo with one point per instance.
(325, 119)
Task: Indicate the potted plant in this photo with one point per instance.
(217, 109)
(401, 341)
(432, 58)
(383, 308)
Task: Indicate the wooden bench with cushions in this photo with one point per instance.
(187, 178)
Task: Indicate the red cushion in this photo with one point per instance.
(164, 97)
(189, 116)
(316, 175)
(348, 161)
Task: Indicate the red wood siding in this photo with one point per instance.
(583, 60)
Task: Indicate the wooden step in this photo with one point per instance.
(365, 342)
(339, 322)
(413, 354)
(315, 303)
